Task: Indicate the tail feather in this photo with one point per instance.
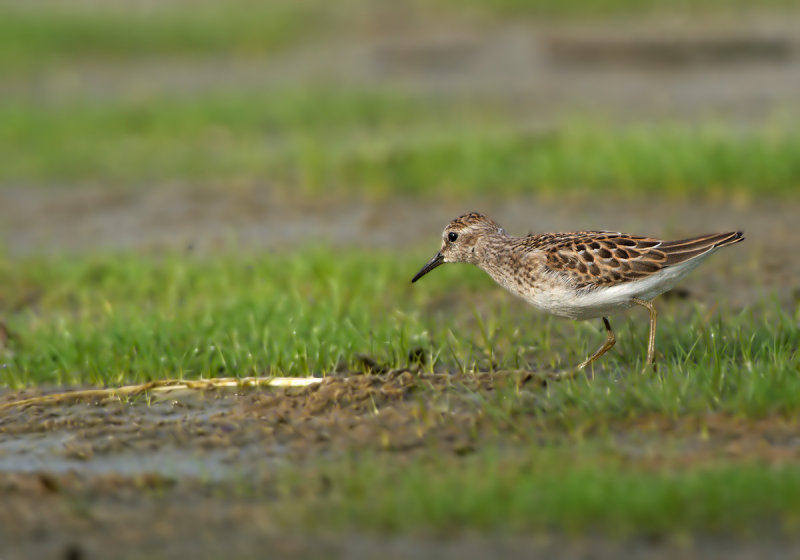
(714, 239)
(686, 249)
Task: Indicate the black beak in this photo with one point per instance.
(430, 265)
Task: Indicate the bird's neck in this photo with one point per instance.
(492, 249)
(503, 260)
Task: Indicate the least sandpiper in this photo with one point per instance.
(578, 275)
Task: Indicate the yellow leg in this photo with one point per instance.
(610, 341)
(651, 346)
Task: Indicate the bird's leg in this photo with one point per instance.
(651, 346)
(610, 341)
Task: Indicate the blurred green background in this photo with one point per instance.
(359, 97)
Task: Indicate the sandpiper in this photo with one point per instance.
(578, 275)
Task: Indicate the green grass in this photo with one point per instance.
(34, 37)
(561, 488)
(44, 35)
(357, 142)
(125, 318)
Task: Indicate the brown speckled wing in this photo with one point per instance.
(601, 258)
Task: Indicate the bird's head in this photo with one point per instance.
(461, 241)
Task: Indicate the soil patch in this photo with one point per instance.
(141, 476)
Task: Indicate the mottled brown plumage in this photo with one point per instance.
(601, 258)
(578, 275)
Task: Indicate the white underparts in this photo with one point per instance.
(552, 294)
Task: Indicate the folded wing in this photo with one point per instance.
(599, 258)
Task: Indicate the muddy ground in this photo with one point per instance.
(157, 477)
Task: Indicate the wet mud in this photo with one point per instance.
(82, 475)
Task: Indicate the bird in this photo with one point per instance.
(577, 275)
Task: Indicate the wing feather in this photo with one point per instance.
(601, 258)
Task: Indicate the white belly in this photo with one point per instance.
(555, 297)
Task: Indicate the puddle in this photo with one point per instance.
(64, 452)
(60, 453)
(132, 439)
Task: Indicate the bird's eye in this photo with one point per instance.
(452, 236)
